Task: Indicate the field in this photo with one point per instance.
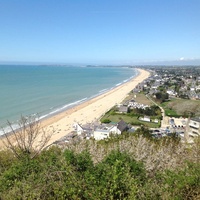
(182, 107)
(115, 118)
(140, 98)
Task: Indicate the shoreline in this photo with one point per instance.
(91, 109)
(86, 99)
(62, 107)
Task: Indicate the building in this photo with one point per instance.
(106, 131)
(84, 130)
(192, 129)
(145, 119)
(123, 109)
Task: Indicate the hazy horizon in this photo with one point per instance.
(151, 63)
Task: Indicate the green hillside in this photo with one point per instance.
(124, 167)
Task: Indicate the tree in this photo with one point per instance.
(162, 96)
(29, 139)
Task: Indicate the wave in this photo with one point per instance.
(55, 110)
(118, 84)
(65, 107)
(103, 91)
(7, 129)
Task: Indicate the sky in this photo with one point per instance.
(100, 31)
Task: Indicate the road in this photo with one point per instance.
(165, 119)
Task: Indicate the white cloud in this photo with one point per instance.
(182, 58)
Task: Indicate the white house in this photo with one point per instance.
(78, 128)
(86, 129)
(100, 134)
(106, 131)
(171, 92)
(145, 118)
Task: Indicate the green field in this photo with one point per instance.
(116, 117)
(182, 107)
(130, 120)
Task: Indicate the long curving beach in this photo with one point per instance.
(92, 109)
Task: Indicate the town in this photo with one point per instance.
(167, 103)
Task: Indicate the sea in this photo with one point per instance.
(44, 90)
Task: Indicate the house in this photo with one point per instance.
(78, 128)
(145, 118)
(171, 92)
(107, 130)
(100, 134)
(84, 130)
(123, 109)
(121, 127)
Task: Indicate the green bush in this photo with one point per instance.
(106, 121)
(116, 173)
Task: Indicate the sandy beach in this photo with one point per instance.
(91, 110)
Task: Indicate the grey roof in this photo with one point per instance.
(122, 126)
(197, 119)
(123, 108)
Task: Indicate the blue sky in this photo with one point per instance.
(100, 31)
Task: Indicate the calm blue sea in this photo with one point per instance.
(45, 90)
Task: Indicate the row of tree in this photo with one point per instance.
(150, 111)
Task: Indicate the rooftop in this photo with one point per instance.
(197, 119)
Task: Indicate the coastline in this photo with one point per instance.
(90, 110)
(52, 89)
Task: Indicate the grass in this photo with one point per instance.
(116, 117)
(130, 120)
(139, 97)
(170, 112)
(181, 107)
